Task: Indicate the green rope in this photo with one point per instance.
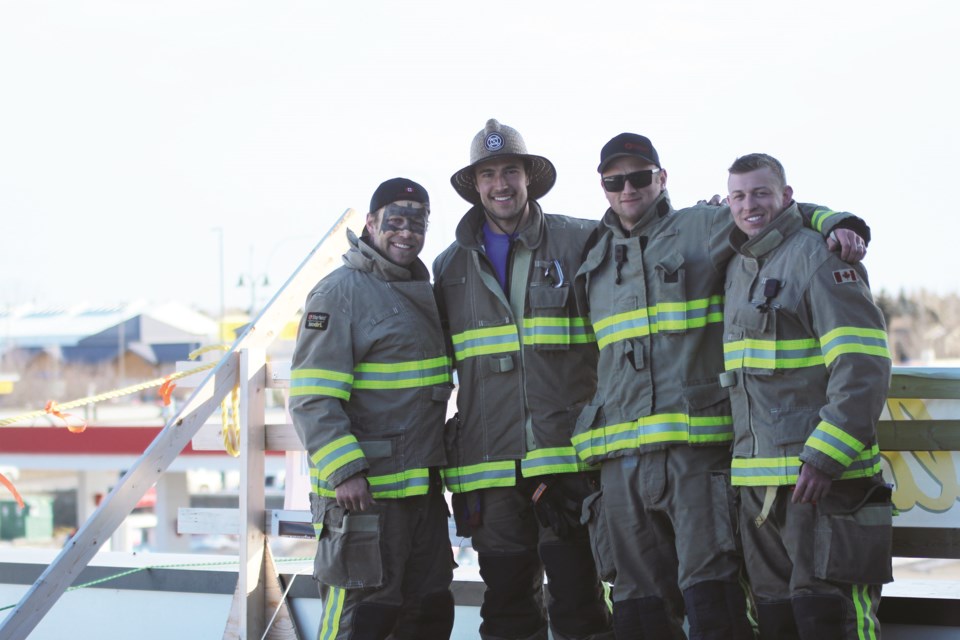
(165, 566)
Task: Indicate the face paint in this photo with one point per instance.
(402, 218)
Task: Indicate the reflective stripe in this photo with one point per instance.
(557, 331)
(541, 462)
(402, 375)
(834, 442)
(819, 217)
(866, 618)
(808, 352)
(478, 342)
(772, 354)
(335, 455)
(481, 476)
(332, 610)
(764, 472)
(320, 382)
(665, 316)
(667, 428)
(412, 482)
(871, 342)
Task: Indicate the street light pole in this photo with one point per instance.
(223, 305)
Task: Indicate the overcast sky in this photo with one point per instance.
(133, 134)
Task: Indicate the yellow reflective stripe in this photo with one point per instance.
(772, 354)
(478, 342)
(403, 484)
(332, 610)
(320, 382)
(335, 455)
(819, 217)
(664, 316)
(541, 462)
(402, 375)
(664, 428)
(784, 470)
(544, 330)
(485, 475)
(866, 619)
(871, 342)
(836, 443)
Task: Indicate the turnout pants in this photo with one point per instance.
(385, 572)
(514, 551)
(669, 521)
(816, 570)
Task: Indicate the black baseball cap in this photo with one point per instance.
(398, 189)
(628, 144)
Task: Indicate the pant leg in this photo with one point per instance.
(506, 544)
(647, 602)
(577, 603)
(699, 503)
(428, 602)
(782, 558)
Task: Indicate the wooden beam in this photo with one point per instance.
(926, 542)
(929, 384)
(251, 581)
(919, 435)
(279, 437)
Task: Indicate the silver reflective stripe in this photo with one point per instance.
(353, 522)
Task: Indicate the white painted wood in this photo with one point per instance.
(278, 374)
(279, 437)
(251, 581)
(208, 521)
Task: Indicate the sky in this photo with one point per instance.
(135, 136)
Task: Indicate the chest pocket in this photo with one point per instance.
(550, 327)
(751, 342)
(671, 292)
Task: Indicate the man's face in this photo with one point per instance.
(398, 230)
(756, 198)
(631, 203)
(502, 185)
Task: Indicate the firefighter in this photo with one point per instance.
(660, 425)
(808, 370)
(368, 395)
(526, 364)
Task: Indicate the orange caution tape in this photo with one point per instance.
(53, 409)
(165, 390)
(13, 489)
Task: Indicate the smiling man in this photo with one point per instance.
(808, 370)
(526, 365)
(659, 424)
(368, 396)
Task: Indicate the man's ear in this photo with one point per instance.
(787, 195)
(371, 224)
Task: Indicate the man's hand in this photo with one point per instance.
(812, 485)
(715, 201)
(851, 246)
(353, 493)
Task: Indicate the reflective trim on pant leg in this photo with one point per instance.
(868, 626)
(332, 610)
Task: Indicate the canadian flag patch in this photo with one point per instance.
(845, 275)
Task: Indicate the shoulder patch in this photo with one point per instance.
(845, 275)
(316, 320)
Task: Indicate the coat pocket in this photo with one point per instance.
(592, 515)
(856, 547)
(348, 550)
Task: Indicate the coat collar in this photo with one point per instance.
(470, 229)
(361, 256)
(771, 237)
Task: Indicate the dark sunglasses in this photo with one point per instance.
(639, 180)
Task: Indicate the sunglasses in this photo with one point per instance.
(639, 180)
